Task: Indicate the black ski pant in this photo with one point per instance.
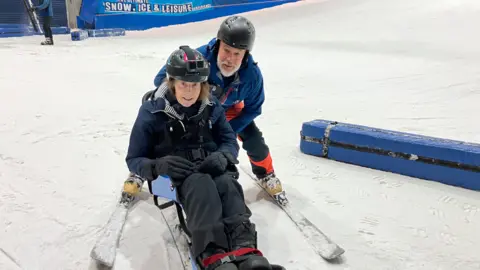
(257, 150)
(213, 207)
(47, 27)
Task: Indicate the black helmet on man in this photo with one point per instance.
(238, 32)
(188, 65)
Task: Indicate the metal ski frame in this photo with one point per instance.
(182, 226)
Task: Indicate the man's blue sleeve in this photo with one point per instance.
(44, 5)
(253, 106)
(161, 75)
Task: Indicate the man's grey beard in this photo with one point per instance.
(224, 73)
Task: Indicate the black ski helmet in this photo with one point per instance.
(188, 65)
(238, 32)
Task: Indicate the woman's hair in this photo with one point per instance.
(204, 91)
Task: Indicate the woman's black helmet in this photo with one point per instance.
(238, 32)
(188, 65)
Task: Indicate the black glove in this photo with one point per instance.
(146, 170)
(33, 9)
(216, 163)
(175, 167)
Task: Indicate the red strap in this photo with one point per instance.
(239, 252)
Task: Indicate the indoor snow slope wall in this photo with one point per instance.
(145, 14)
(450, 162)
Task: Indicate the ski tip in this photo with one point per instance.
(334, 254)
(102, 257)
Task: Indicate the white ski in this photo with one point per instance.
(321, 244)
(105, 249)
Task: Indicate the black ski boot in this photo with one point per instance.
(48, 41)
(210, 252)
(245, 236)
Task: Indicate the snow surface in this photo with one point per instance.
(66, 113)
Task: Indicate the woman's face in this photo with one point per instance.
(187, 92)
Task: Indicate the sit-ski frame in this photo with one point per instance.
(161, 187)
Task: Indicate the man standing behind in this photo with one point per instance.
(238, 83)
(46, 12)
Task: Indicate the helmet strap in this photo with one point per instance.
(189, 52)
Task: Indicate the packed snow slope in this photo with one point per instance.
(66, 113)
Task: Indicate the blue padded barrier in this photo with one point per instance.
(18, 34)
(13, 30)
(99, 14)
(22, 30)
(450, 162)
(60, 30)
(13, 25)
(79, 35)
(107, 32)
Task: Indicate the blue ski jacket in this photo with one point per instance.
(147, 139)
(247, 87)
(45, 8)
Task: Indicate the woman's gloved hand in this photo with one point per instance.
(216, 163)
(175, 167)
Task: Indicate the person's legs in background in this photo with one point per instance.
(47, 30)
(261, 161)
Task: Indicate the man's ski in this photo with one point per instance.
(321, 244)
(105, 249)
(33, 16)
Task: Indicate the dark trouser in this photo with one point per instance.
(214, 208)
(47, 28)
(257, 150)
